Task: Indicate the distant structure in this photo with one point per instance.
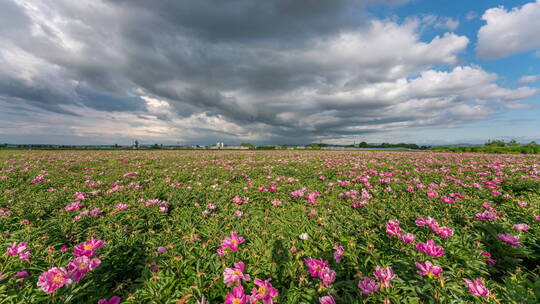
(218, 145)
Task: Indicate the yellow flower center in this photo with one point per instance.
(237, 272)
(234, 242)
(58, 278)
(88, 247)
(236, 301)
(262, 290)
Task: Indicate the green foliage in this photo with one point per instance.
(190, 269)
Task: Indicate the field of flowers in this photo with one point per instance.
(268, 227)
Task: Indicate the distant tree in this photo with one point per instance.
(248, 145)
(136, 144)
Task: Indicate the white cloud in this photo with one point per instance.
(447, 24)
(528, 79)
(509, 32)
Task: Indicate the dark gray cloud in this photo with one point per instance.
(281, 70)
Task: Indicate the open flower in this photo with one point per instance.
(338, 253)
(237, 296)
(327, 299)
(315, 266)
(477, 288)
(430, 248)
(87, 248)
(265, 292)
(232, 242)
(79, 267)
(53, 279)
(368, 285)
(509, 239)
(385, 275)
(428, 269)
(234, 275)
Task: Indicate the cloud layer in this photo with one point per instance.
(264, 71)
(509, 32)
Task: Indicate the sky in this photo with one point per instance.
(269, 72)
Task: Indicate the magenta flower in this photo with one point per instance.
(487, 215)
(368, 285)
(487, 257)
(428, 269)
(265, 292)
(430, 248)
(235, 275)
(21, 274)
(232, 242)
(509, 239)
(315, 266)
(477, 288)
(87, 248)
(393, 229)
(161, 249)
(408, 238)
(338, 254)
(327, 299)
(385, 275)
(327, 276)
(79, 267)
(432, 193)
(521, 227)
(121, 207)
(53, 279)
(237, 296)
(16, 249)
(112, 300)
(448, 200)
(444, 232)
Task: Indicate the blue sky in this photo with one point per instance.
(270, 72)
(518, 124)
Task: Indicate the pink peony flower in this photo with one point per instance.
(232, 242)
(448, 200)
(112, 300)
(79, 267)
(327, 300)
(444, 232)
(235, 275)
(509, 239)
(237, 296)
(265, 292)
(161, 249)
(16, 249)
(121, 207)
(327, 276)
(338, 254)
(53, 279)
(428, 269)
(315, 266)
(393, 229)
(477, 288)
(408, 238)
(368, 285)
(430, 248)
(385, 275)
(521, 227)
(87, 248)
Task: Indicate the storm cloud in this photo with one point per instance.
(264, 71)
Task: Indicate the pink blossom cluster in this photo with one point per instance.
(56, 277)
(230, 244)
(443, 231)
(320, 269)
(19, 249)
(264, 291)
